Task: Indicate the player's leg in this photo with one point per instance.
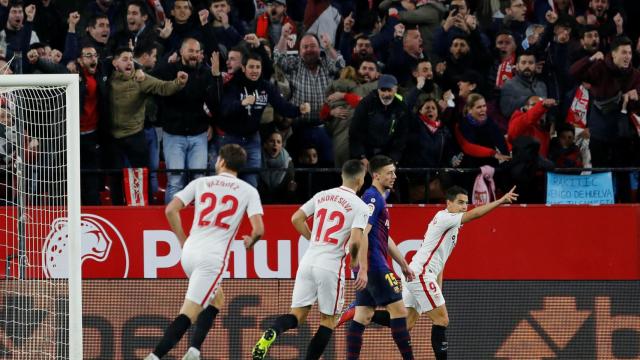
(440, 318)
(399, 330)
(204, 280)
(356, 328)
(304, 295)
(172, 335)
(330, 302)
(296, 317)
(204, 324)
(424, 295)
(387, 293)
(322, 337)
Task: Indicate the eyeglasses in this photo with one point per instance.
(90, 55)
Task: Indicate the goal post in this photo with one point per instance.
(41, 313)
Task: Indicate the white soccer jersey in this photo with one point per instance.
(438, 243)
(220, 204)
(336, 211)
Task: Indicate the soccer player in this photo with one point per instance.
(220, 203)
(424, 293)
(339, 217)
(382, 287)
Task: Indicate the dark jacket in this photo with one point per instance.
(608, 84)
(427, 149)
(378, 129)
(479, 142)
(240, 120)
(183, 112)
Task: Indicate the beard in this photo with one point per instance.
(386, 100)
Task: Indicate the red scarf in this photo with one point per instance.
(505, 71)
(432, 125)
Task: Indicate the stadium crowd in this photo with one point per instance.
(521, 86)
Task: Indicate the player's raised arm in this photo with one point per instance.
(172, 212)
(257, 230)
(299, 221)
(480, 211)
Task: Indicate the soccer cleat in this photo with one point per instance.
(192, 354)
(260, 350)
(347, 314)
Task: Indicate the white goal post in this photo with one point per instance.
(44, 124)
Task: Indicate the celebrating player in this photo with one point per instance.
(424, 293)
(220, 203)
(339, 216)
(382, 287)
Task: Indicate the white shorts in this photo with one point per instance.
(314, 283)
(423, 293)
(205, 274)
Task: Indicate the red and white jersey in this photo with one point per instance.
(438, 243)
(220, 204)
(335, 212)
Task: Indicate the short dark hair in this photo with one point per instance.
(251, 56)
(145, 47)
(620, 41)
(528, 52)
(15, 3)
(587, 29)
(352, 168)
(93, 20)
(362, 37)
(234, 156)
(370, 59)
(119, 51)
(454, 191)
(564, 127)
(378, 162)
(144, 11)
(414, 67)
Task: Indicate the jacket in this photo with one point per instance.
(515, 92)
(527, 123)
(378, 129)
(240, 120)
(127, 99)
(183, 112)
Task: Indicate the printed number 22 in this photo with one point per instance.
(322, 215)
(209, 201)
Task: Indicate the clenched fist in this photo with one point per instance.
(305, 108)
(182, 77)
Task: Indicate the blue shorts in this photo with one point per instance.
(382, 289)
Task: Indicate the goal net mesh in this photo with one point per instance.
(34, 313)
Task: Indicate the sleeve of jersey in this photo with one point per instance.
(373, 207)
(450, 220)
(361, 217)
(309, 207)
(255, 204)
(187, 194)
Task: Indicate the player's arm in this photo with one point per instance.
(363, 250)
(396, 255)
(481, 211)
(257, 230)
(299, 221)
(358, 237)
(172, 212)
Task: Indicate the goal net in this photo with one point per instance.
(40, 250)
